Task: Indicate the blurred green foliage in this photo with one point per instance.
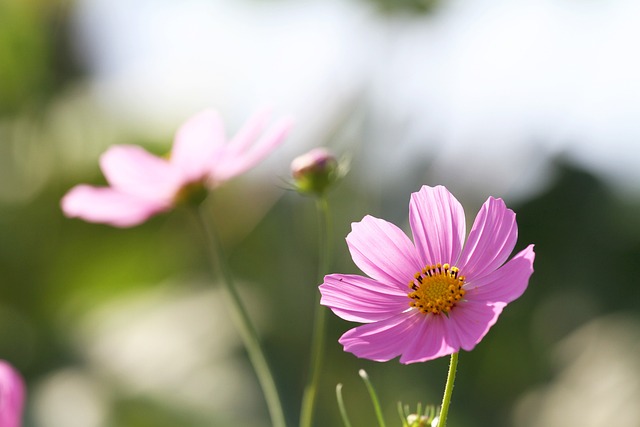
(34, 58)
(406, 6)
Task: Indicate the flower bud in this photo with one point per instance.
(415, 420)
(315, 171)
(11, 396)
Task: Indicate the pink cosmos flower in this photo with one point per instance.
(11, 396)
(433, 296)
(142, 185)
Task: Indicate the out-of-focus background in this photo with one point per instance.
(534, 101)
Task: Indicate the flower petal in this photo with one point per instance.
(384, 340)
(198, 144)
(429, 342)
(491, 240)
(438, 225)
(241, 155)
(108, 206)
(12, 393)
(133, 170)
(360, 299)
(248, 134)
(505, 284)
(469, 322)
(382, 251)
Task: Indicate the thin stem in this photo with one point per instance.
(343, 409)
(318, 334)
(448, 390)
(374, 397)
(242, 321)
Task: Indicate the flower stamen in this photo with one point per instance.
(436, 289)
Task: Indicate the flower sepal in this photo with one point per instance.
(192, 194)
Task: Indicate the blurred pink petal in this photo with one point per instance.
(244, 152)
(453, 293)
(12, 393)
(248, 134)
(142, 185)
(132, 170)
(108, 206)
(198, 145)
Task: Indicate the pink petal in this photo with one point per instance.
(505, 284)
(438, 225)
(491, 240)
(360, 299)
(469, 322)
(12, 393)
(382, 251)
(198, 145)
(440, 336)
(384, 340)
(132, 170)
(241, 155)
(108, 206)
(248, 134)
(429, 341)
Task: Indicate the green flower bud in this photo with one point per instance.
(314, 172)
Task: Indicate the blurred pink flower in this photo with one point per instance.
(142, 184)
(12, 393)
(437, 295)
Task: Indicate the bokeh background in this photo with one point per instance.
(537, 102)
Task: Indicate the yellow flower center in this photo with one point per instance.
(436, 289)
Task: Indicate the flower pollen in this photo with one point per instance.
(436, 289)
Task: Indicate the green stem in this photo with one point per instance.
(242, 321)
(318, 334)
(342, 407)
(374, 397)
(448, 390)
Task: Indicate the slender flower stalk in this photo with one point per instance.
(374, 397)
(448, 390)
(242, 320)
(342, 407)
(142, 185)
(314, 173)
(318, 337)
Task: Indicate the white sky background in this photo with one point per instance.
(487, 87)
